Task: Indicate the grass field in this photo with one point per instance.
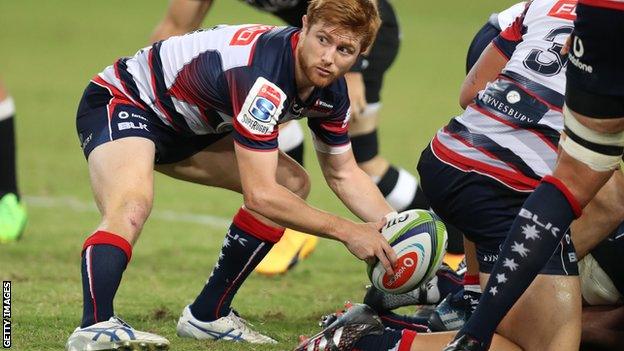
(49, 51)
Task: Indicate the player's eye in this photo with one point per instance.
(345, 50)
(322, 39)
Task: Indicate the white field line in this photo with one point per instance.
(165, 215)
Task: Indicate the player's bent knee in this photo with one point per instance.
(598, 150)
(128, 216)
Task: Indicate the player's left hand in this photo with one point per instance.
(357, 93)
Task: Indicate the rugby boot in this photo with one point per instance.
(344, 330)
(230, 327)
(453, 260)
(466, 342)
(286, 253)
(445, 281)
(12, 218)
(453, 312)
(114, 334)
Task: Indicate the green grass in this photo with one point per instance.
(50, 49)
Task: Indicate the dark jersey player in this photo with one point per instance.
(364, 81)
(205, 107)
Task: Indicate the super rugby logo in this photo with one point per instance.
(262, 107)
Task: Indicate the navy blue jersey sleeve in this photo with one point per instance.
(257, 104)
(330, 133)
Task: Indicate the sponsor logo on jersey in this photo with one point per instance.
(322, 106)
(132, 125)
(86, 141)
(565, 9)
(578, 50)
(262, 107)
(504, 108)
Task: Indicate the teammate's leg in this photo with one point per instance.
(249, 239)
(12, 212)
(290, 140)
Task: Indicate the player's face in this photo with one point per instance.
(326, 52)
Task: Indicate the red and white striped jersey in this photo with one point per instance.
(511, 129)
(231, 78)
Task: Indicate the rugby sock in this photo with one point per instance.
(537, 230)
(448, 282)
(246, 243)
(401, 190)
(104, 259)
(471, 292)
(290, 140)
(8, 181)
(390, 340)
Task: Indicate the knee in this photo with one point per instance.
(128, 215)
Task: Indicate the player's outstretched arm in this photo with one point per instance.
(182, 16)
(354, 187)
(263, 195)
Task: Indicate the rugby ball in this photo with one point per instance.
(419, 239)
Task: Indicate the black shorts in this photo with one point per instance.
(595, 70)
(481, 40)
(102, 117)
(484, 210)
(383, 52)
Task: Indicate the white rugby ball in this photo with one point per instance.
(419, 240)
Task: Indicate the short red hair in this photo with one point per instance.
(359, 16)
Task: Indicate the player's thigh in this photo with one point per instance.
(121, 174)
(547, 316)
(216, 166)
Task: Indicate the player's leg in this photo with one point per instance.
(12, 212)
(547, 316)
(248, 240)
(290, 140)
(121, 162)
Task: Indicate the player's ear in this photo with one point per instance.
(304, 24)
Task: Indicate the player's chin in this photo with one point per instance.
(322, 81)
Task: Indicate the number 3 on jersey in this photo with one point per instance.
(535, 60)
(246, 35)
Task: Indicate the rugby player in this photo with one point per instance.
(204, 107)
(12, 211)
(590, 151)
(364, 81)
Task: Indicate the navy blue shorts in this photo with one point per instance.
(595, 70)
(102, 117)
(484, 210)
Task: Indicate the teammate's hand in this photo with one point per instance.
(357, 93)
(367, 243)
(566, 46)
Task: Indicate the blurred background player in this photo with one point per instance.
(12, 211)
(590, 151)
(365, 80)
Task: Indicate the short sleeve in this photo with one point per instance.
(331, 134)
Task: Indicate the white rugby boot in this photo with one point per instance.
(231, 327)
(114, 334)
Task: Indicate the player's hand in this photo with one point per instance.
(566, 46)
(357, 93)
(367, 243)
